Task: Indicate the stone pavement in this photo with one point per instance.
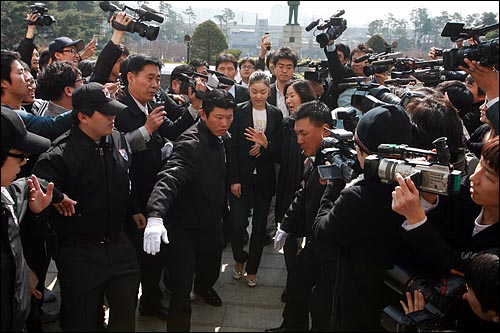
(243, 309)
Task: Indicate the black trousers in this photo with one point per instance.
(240, 208)
(290, 250)
(190, 252)
(89, 269)
(301, 280)
(309, 289)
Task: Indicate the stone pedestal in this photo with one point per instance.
(292, 37)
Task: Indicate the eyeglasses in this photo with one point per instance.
(247, 67)
(21, 156)
(76, 81)
(72, 51)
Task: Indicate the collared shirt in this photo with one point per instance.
(281, 102)
(491, 102)
(427, 206)
(478, 226)
(142, 129)
(232, 91)
(9, 203)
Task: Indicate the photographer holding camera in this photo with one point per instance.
(359, 229)
(27, 48)
(487, 79)
(481, 296)
(468, 232)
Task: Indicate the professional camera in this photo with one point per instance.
(43, 18)
(443, 302)
(338, 150)
(486, 53)
(349, 116)
(370, 70)
(217, 80)
(334, 27)
(144, 13)
(318, 70)
(377, 95)
(188, 80)
(434, 175)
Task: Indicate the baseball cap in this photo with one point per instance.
(15, 135)
(62, 42)
(94, 96)
(383, 124)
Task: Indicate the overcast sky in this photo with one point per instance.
(357, 13)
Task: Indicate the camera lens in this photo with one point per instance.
(47, 20)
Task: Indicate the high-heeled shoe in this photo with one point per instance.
(251, 282)
(238, 273)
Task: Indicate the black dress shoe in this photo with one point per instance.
(160, 312)
(283, 296)
(210, 297)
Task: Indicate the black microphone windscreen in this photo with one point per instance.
(312, 25)
(362, 58)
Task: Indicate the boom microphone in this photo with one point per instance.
(312, 25)
(362, 58)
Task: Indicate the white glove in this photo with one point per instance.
(152, 234)
(279, 238)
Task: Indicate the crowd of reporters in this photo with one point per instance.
(177, 206)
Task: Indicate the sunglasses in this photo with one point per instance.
(21, 156)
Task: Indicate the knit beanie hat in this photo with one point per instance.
(383, 124)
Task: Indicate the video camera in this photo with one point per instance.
(368, 94)
(349, 116)
(443, 301)
(486, 53)
(43, 18)
(188, 80)
(318, 71)
(334, 27)
(215, 81)
(218, 80)
(338, 149)
(434, 175)
(144, 13)
(429, 72)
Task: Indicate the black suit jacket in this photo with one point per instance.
(147, 163)
(191, 188)
(241, 164)
(241, 94)
(105, 62)
(272, 99)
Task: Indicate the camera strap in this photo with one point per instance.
(119, 26)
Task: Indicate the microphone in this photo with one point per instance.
(221, 77)
(312, 25)
(339, 13)
(304, 63)
(347, 85)
(151, 14)
(215, 72)
(362, 58)
(108, 6)
(225, 80)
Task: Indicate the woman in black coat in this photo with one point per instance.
(256, 132)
